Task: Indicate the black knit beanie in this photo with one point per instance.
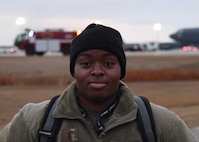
(97, 36)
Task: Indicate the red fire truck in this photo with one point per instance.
(40, 42)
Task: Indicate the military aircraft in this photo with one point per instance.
(187, 36)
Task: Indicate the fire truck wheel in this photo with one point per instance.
(40, 53)
(65, 49)
(30, 50)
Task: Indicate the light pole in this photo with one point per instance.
(157, 27)
(20, 21)
(98, 22)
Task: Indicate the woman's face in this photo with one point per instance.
(97, 73)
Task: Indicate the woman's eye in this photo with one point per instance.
(108, 64)
(85, 64)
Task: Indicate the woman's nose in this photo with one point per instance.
(97, 69)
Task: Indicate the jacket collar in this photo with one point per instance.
(67, 106)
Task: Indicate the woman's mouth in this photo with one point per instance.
(97, 85)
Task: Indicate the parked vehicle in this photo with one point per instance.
(40, 42)
(7, 49)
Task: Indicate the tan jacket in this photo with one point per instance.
(120, 127)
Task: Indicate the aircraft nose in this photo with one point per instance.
(174, 36)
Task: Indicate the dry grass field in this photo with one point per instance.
(170, 81)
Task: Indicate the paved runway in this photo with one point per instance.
(155, 53)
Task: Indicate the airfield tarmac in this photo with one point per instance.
(180, 96)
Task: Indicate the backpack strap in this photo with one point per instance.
(145, 119)
(50, 126)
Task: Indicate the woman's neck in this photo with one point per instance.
(97, 104)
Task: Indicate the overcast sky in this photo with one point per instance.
(133, 18)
